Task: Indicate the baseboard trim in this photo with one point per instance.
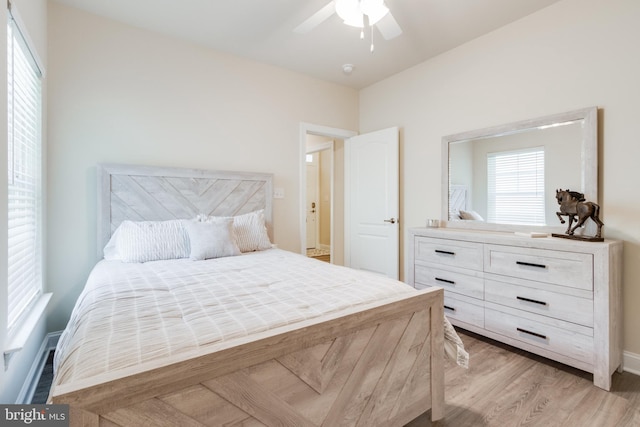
(31, 382)
(631, 362)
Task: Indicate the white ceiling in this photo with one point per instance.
(262, 30)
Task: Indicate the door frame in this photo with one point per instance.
(312, 129)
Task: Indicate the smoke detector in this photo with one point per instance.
(347, 68)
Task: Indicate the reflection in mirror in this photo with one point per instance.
(505, 177)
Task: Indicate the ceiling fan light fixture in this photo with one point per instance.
(349, 11)
(374, 9)
(356, 21)
(353, 12)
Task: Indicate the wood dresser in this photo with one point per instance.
(555, 297)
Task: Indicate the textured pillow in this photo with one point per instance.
(211, 239)
(142, 241)
(251, 232)
(470, 215)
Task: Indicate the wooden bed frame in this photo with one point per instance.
(380, 364)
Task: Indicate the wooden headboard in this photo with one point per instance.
(148, 193)
(458, 199)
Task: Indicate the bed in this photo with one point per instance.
(258, 338)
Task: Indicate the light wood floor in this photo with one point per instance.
(507, 387)
(319, 254)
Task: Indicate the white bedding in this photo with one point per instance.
(130, 313)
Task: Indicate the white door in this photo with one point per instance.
(372, 202)
(312, 200)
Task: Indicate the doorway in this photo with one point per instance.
(328, 144)
(348, 241)
(319, 203)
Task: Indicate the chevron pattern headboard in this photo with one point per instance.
(147, 193)
(458, 199)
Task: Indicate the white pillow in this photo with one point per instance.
(251, 232)
(470, 215)
(211, 239)
(143, 241)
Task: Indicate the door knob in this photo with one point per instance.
(392, 220)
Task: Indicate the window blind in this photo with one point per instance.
(24, 176)
(516, 187)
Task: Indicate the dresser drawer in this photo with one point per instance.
(459, 308)
(547, 303)
(558, 338)
(449, 252)
(452, 281)
(560, 268)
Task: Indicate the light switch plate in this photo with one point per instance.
(278, 193)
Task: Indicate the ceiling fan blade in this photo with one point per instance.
(316, 19)
(388, 27)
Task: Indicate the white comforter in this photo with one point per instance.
(134, 313)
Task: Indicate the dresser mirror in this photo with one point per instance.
(504, 178)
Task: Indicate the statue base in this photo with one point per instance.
(582, 238)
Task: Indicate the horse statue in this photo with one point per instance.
(572, 205)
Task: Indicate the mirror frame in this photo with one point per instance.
(588, 174)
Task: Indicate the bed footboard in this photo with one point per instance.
(382, 365)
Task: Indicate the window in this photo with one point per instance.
(516, 187)
(24, 176)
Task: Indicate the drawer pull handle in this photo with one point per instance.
(531, 264)
(445, 281)
(450, 308)
(531, 300)
(438, 251)
(544, 337)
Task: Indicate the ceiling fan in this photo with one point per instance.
(355, 13)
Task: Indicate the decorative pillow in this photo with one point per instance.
(143, 241)
(211, 239)
(249, 229)
(251, 232)
(470, 215)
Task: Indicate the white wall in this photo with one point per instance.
(34, 16)
(121, 94)
(571, 55)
